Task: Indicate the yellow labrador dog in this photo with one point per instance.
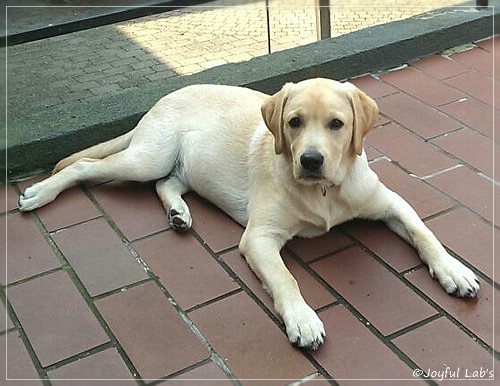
(282, 165)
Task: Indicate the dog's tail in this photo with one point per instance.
(98, 151)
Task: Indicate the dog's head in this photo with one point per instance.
(320, 124)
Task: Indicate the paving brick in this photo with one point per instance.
(71, 207)
(471, 147)
(217, 229)
(416, 116)
(372, 153)
(425, 88)
(476, 314)
(248, 341)
(100, 259)
(55, 317)
(440, 67)
(476, 85)
(374, 87)
(310, 249)
(148, 327)
(422, 197)
(28, 253)
(411, 152)
(439, 344)
(479, 193)
(351, 351)
(105, 364)
(126, 201)
(472, 113)
(466, 235)
(11, 197)
(8, 322)
(476, 58)
(17, 367)
(375, 236)
(314, 294)
(185, 268)
(208, 375)
(381, 297)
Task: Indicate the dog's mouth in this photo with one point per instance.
(309, 178)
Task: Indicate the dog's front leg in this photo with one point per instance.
(262, 252)
(400, 217)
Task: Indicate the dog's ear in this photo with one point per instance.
(365, 112)
(272, 112)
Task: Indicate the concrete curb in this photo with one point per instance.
(36, 141)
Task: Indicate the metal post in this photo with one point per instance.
(323, 19)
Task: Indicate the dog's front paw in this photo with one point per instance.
(455, 277)
(35, 196)
(303, 326)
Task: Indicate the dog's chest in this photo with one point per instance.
(321, 213)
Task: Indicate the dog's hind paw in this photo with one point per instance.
(36, 196)
(180, 222)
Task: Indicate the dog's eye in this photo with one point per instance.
(295, 122)
(336, 124)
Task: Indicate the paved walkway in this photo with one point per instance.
(110, 59)
(99, 286)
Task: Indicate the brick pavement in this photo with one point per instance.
(110, 59)
(99, 286)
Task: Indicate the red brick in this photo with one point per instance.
(314, 294)
(9, 198)
(466, 235)
(214, 226)
(8, 322)
(370, 288)
(310, 249)
(16, 362)
(185, 268)
(385, 244)
(249, 342)
(134, 207)
(55, 317)
(478, 194)
(440, 67)
(207, 375)
(471, 147)
(372, 153)
(476, 314)
(472, 113)
(439, 344)
(100, 259)
(477, 85)
(71, 207)
(28, 253)
(148, 328)
(423, 87)
(373, 87)
(476, 58)
(422, 197)
(106, 364)
(410, 151)
(351, 351)
(416, 116)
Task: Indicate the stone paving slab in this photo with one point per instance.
(197, 311)
(91, 64)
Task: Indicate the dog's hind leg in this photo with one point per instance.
(170, 191)
(127, 165)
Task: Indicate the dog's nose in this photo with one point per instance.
(311, 160)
